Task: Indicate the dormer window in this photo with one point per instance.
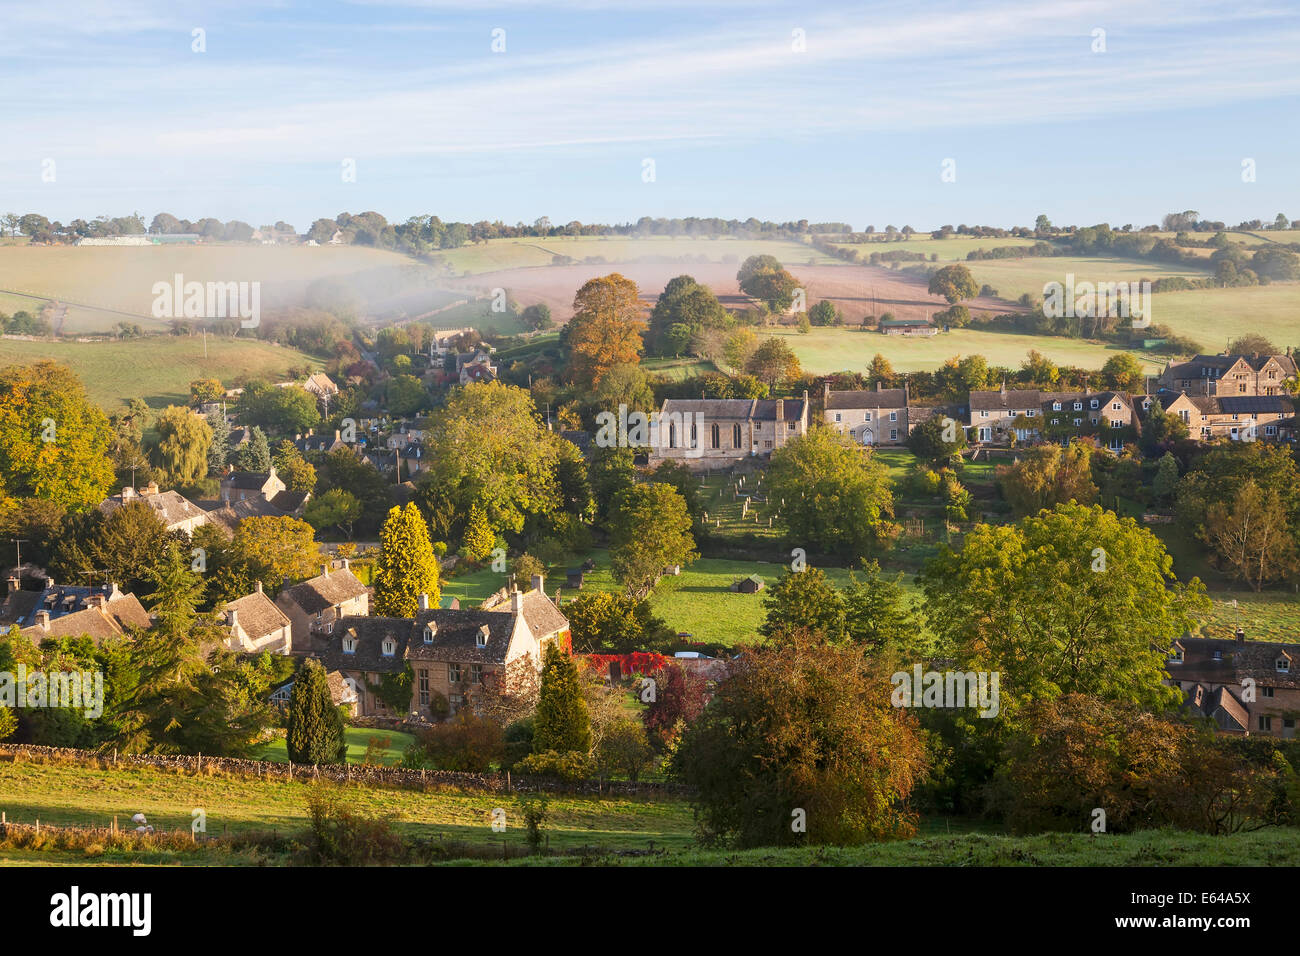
(1078, 406)
(1056, 406)
(430, 632)
(390, 647)
(1176, 655)
(481, 638)
(1218, 655)
(1094, 404)
(1283, 665)
(349, 645)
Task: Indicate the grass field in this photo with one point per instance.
(158, 369)
(500, 254)
(358, 743)
(1213, 317)
(122, 278)
(76, 794)
(1014, 277)
(824, 350)
(947, 250)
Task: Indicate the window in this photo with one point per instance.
(1218, 655)
(430, 630)
(1056, 406)
(453, 673)
(1283, 665)
(1114, 406)
(1078, 406)
(866, 416)
(672, 435)
(476, 673)
(1056, 421)
(455, 702)
(1270, 429)
(837, 416)
(1078, 422)
(1094, 404)
(1265, 722)
(1176, 655)
(1117, 424)
(984, 413)
(715, 435)
(481, 638)
(349, 645)
(1241, 388)
(893, 416)
(735, 436)
(767, 444)
(695, 441)
(1266, 691)
(1288, 723)
(424, 687)
(1031, 413)
(893, 434)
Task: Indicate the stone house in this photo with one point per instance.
(879, 416)
(314, 606)
(1246, 687)
(97, 613)
(257, 625)
(722, 432)
(1029, 415)
(1211, 376)
(1237, 418)
(239, 485)
(175, 511)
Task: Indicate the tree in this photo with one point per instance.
(562, 723)
(1075, 599)
(605, 329)
(623, 749)
(255, 455)
(295, 471)
(1252, 537)
(650, 529)
(824, 313)
(336, 508)
(938, 439)
(833, 496)
(487, 446)
(878, 614)
(1165, 483)
(684, 310)
(183, 440)
(537, 317)
(763, 278)
(479, 539)
(219, 446)
(206, 390)
(315, 734)
(53, 441)
(772, 362)
(803, 600)
(605, 623)
(802, 735)
(126, 546)
(1123, 373)
(954, 283)
(275, 549)
(1049, 475)
(1252, 344)
(407, 566)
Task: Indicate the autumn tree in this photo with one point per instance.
(650, 529)
(275, 549)
(336, 508)
(478, 540)
(183, 440)
(294, 470)
(1048, 475)
(773, 362)
(605, 329)
(53, 441)
(407, 566)
(1252, 537)
(605, 623)
(800, 744)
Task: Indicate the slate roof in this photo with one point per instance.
(867, 398)
(1255, 659)
(737, 408)
(1012, 399)
(1255, 404)
(170, 506)
(288, 502)
(247, 480)
(539, 611)
(114, 618)
(257, 615)
(325, 590)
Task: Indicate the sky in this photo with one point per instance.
(514, 109)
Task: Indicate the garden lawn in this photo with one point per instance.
(358, 744)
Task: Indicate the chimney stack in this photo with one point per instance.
(325, 569)
(128, 493)
(424, 602)
(232, 617)
(1241, 635)
(538, 582)
(14, 584)
(43, 619)
(259, 587)
(517, 602)
(345, 564)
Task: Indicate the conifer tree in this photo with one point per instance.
(562, 723)
(407, 566)
(315, 732)
(479, 539)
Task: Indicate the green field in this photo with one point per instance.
(499, 254)
(825, 350)
(1014, 277)
(158, 369)
(75, 794)
(358, 743)
(1213, 317)
(947, 250)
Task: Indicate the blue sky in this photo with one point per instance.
(855, 127)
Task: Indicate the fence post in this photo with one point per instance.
(290, 769)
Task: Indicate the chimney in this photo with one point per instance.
(151, 488)
(1241, 635)
(259, 587)
(325, 570)
(338, 435)
(517, 602)
(878, 385)
(14, 583)
(232, 617)
(128, 493)
(424, 602)
(826, 393)
(345, 564)
(538, 583)
(43, 619)
(780, 409)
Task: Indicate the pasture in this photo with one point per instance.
(158, 369)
